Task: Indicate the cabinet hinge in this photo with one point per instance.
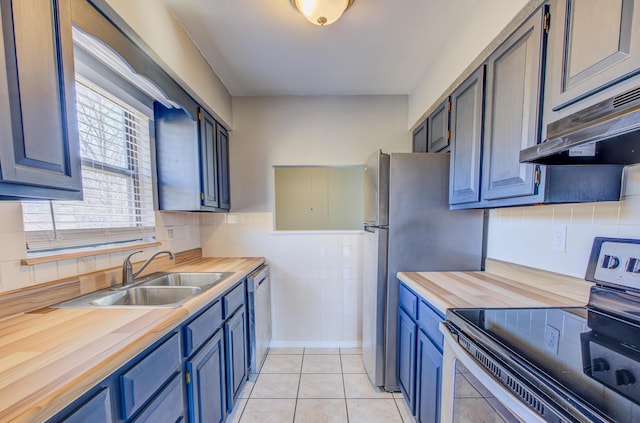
(187, 378)
(202, 196)
(448, 134)
(537, 176)
(199, 115)
(547, 22)
(449, 106)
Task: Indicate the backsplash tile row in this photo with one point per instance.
(316, 277)
(523, 235)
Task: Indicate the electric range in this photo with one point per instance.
(575, 364)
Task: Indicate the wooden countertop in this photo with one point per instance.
(504, 285)
(50, 357)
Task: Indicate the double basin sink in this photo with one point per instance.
(157, 290)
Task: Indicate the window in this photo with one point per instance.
(116, 178)
(319, 198)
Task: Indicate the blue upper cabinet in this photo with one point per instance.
(214, 148)
(192, 161)
(466, 139)
(438, 133)
(222, 148)
(594, 45)
(420, 138)
(512, 112)
(39, 147)
(209, 157)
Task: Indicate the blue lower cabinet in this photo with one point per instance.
(407, 357)
(206, 388)
(144, 379)
(235, 332)
(193, 374)
(96, 409)
(428, 380)
(167, 407)
(420, 356)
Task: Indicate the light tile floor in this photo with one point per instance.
(316, 385)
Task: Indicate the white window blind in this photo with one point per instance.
(116, 179)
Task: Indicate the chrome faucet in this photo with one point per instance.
(127, 269)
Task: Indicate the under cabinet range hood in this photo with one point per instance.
(605, 133)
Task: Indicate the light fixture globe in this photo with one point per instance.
(321, 12)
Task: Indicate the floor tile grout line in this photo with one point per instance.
(344, 388)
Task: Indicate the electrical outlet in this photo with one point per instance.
(559, 238)
(170, 234)
(551, 339)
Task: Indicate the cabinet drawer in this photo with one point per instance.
(429, 321)
(167, 407)
(408, 301)
(95, 410)
(233, 300)
(140, 382)
(201, 328)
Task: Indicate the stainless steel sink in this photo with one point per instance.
(148, 296)
(201, 280)
(163, 290)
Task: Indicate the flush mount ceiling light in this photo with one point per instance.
(321, 12)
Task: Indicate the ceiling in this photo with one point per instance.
(266, 47)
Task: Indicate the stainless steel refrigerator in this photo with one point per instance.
(408, 227)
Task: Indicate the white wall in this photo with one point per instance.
(153, 21)
(316, 276)
(523, 235)
(483, 22)
(328, 130)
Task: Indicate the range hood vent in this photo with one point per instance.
(605, 133)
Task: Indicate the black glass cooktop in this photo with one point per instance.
(594, 357)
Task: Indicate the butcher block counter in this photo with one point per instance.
(502, 285)
(51, 356)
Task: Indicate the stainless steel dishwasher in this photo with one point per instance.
(259, 300)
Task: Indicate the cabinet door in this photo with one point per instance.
(236, 350)
(39, 146)
(420, 138)
(222, 145)
(206, 383)
(209, 158)
(438, 128)
(595, 44)
(512, 111)
(429, 380)
(407, 357)
(466, 139)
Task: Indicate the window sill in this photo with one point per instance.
(85, 252)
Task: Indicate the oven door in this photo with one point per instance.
(471, 394)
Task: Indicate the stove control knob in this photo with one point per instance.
(599, 365)
(624, 377)
(610, 262)
(633, 265)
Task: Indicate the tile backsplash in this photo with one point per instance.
(524, 235)
(14, 275)
(316, 277)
